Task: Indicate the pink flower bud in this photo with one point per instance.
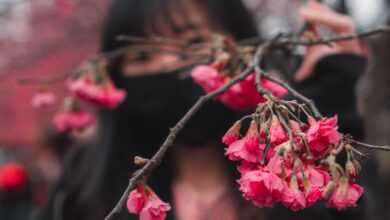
(248, 148)
(136, 200)
(328, 191)
(277, 133)
(233, 134)
(261, 187)
(345, 195)
(147, 204)
(351, 170)
(154, 209)
(293, 198)
(102, 95)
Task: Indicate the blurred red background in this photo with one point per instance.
(40, 38)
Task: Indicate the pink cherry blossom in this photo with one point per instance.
(261, 187)
(136, 200)
(69, 120)
(238, 151)
(294, 199)
(43, 99)
(147, 204)
(154, 209)
(248, 148)
(276, 89)
(236, 98)
(345, 195)
(240, 96)
(233, 134)
(246, 167)
(276, 165)
(316, 176)
(313, 195)
(322, 134)
(277, 133)
(207, 77)
(317, 179)
(103, 95)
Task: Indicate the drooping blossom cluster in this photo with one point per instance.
(103, 94)
(91, 89)
(91, 85)
(286, 161)
(70, 120)
(242, 95)
(144, 202)
(72, 117)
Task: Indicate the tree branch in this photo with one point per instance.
(296, 94)
(361, 35)
(370, 146)
(158, 156)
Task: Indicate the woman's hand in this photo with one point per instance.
(316, 14)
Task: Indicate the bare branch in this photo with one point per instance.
(385, 29)
(159, 155)
(296, 94)
(370, 146)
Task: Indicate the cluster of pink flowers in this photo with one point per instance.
(73, 119)
(290, 172)
(144, 202)
(97, 90)
(102, 94)
(240, 96)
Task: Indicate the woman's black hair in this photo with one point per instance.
(131, 18)
(95, 176)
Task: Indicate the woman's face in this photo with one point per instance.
(184, 22)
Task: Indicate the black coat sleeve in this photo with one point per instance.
(332, 88)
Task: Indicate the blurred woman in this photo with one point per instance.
(195, 177)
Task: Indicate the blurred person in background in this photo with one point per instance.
(329, 76)
(373, 101)
(194, 178)
(95, 176)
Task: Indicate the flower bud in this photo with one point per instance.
(328, 190)
(351, 169)
(233, 134)
(358, 167)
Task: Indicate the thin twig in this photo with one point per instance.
(259, 73)
(375, 147)
(358, 152)
(296, 94)
(347, 37)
